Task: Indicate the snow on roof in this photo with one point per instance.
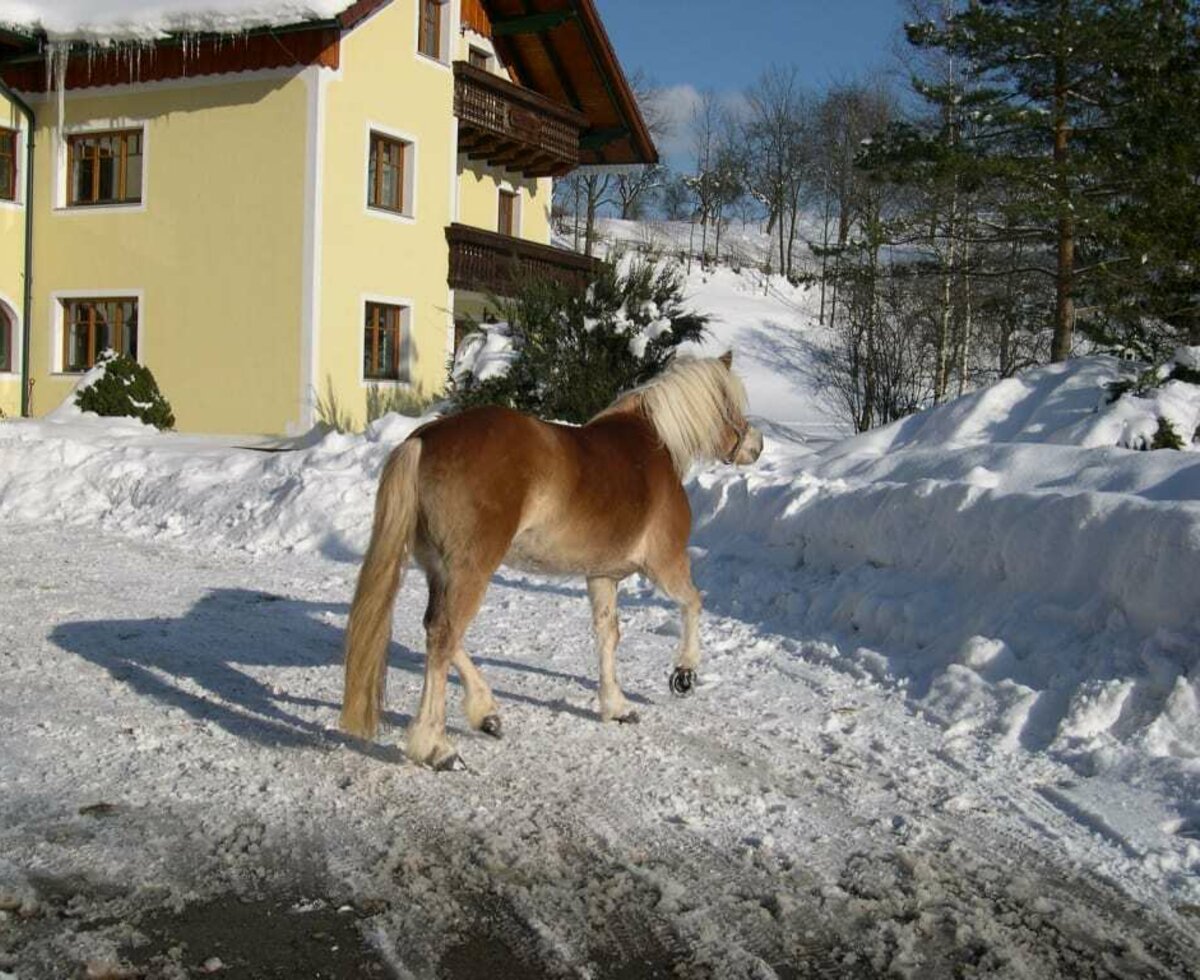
(143, 20)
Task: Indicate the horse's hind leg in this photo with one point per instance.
(603, 593)
(454, 601)
(673, 574)
(483, 714)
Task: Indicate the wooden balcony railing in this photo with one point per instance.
(508, 126)
(485, 262)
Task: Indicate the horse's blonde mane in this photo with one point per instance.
(690, 404)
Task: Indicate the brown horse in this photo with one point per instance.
(490, 486)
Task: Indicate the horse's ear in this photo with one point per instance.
(727, 359)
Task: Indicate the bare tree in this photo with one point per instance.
(635, 185)
(778, 155)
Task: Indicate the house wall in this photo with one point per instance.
(369, 255)
(214, 252)
(12, 263)
(479, 199)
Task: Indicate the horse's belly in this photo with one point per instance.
(540, 551)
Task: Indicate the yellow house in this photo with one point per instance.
(295, 212)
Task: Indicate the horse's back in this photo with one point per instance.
(549, 497)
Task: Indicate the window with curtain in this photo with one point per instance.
(429, 35)
(385, 188)
(105, 168)
(383, 343)
(91, 326)
(8, 164)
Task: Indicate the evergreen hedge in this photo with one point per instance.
(126, 388)
(578, 348)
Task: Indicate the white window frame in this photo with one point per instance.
(406, 340)
(62, 162)
(448, 18)
(58, 322)
(411, 159)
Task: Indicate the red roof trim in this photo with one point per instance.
(356, 13)
(208, 55)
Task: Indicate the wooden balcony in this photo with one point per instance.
(485, 262)
(505, 125)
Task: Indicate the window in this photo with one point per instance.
(386, 188)
(479, 58)
(91, 326)
(383, 343)
(105, 168)
(429, 32)
(8, 165)
(507, 224)
(6, 341)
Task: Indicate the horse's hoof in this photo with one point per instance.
(682, 681)
(491, 726)
(629, 718)
(452, 763)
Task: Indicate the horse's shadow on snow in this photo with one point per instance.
(221, 663)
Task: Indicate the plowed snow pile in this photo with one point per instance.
(1015, 570)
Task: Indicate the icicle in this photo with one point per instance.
(58, 53)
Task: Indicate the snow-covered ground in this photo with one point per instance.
(948, 721)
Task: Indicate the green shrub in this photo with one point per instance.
(578, 348)
(126, 388)
(1165, 436)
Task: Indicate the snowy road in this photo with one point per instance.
(167, 740)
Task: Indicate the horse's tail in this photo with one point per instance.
(370, 629)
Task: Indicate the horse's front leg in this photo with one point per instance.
(674, 577)
(613, 705)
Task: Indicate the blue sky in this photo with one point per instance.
(724, 44)
(689, 45)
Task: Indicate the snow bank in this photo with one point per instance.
(144, 20)
(126, 477)
(1020, 585)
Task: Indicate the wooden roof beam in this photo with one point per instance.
(597, 139)
(530, 23)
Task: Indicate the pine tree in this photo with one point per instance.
(1043, 101)
(1149, 247)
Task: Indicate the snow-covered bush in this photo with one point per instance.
(1160, 405)
(566, 352)
(123, 387)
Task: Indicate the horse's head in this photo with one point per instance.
(698, 408)
(741, 442)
